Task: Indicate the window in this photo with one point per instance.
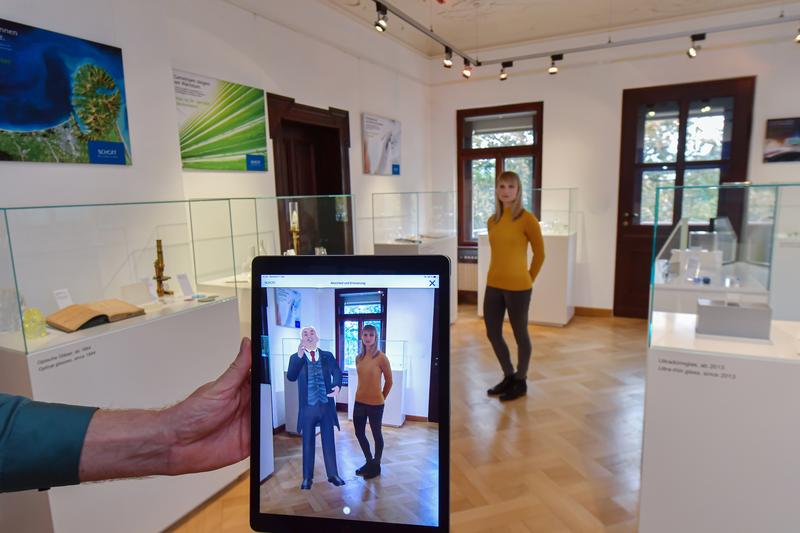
(695, 150)
(493, 140)
(356, 308)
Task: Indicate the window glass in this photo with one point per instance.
(652, 179)
(492, 131)
(658, 133)
(483, 174)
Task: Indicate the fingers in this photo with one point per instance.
(240, 368)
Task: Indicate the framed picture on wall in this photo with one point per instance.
(62, 99)
(380, 138)
(782, 142)
(287, 308)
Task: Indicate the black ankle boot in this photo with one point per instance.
(501, 387)
(363, 468)
(517, 389)
(373, 470)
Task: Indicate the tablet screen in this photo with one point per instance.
(349, 415)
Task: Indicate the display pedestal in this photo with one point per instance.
(394, 407)
(551, 300)
(150, 361)
(447, 246)
(720, 442)
(784, 289)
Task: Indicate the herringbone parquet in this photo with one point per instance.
(565, 458)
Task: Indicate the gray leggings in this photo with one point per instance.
(495, 304)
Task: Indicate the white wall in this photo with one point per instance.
(583, 110)
(302, 49)
(409, 318)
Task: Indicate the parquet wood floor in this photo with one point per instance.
(564, 459)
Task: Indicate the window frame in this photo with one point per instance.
(499, 154)
(341, 317)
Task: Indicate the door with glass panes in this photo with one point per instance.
(356, 308)
(675, 135)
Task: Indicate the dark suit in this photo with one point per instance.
(310, 416)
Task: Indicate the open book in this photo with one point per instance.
(82, 316)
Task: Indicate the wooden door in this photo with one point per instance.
(675, 135)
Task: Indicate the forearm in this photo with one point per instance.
(130, 443)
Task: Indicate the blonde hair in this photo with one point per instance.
(363, 351)
(516, 207)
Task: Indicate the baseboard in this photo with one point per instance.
(594, 311)
(412, 418)
(468, 297)
(279, 429)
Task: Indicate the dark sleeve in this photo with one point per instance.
(295, 364)
(40, 443)
(336, 372)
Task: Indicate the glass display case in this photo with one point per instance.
(412, 217)
(52, 257)
(736, 244)
(555, 207)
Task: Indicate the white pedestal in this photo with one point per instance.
(784, 289)
(394, 407)
(443, 246)
(551, 300)
(146, 362)
(720, 442)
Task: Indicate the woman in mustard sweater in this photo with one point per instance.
(508, 285)
(371, 364)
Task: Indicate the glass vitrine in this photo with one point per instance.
(735, 248)
(55, 256)
(412, 217)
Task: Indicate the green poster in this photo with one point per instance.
(222, 125)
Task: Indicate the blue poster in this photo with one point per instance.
(62, 99)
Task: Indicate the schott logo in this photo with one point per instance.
(106, 151)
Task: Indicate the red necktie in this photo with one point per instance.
(312, 357)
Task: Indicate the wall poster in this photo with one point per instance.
(62, 98)
(782, 141)
(380, 145)
(221, 124)
(287, 308)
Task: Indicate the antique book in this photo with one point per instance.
(82, 316)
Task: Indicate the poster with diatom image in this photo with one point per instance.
(62, 98)
(221, 124)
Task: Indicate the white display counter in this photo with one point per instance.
(720, 442)
(233, 286)
(447, 246)
(394, 407)
(551, 300)
(149, 361)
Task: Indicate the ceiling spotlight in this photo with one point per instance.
(651, 113)
(797, 37)
(705, 109)
(553, 67)
(448, 57)
(694, 48)
(467, 70)
(503, 66)
(381, 24)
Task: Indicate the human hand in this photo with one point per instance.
(211, 428)
(334, 393)
(208, 430)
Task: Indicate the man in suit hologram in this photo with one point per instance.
(318, 382)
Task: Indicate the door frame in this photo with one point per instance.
(742, 89)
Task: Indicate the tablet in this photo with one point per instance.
(350, 401)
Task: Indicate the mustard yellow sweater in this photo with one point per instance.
(508, 268)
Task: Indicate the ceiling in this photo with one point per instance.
(508, 22)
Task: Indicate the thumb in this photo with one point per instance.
(240, 368)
